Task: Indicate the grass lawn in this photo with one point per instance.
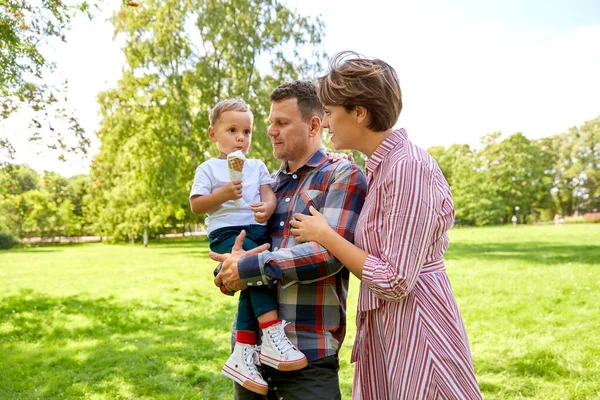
(99, 321)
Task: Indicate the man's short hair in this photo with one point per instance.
(305, 92)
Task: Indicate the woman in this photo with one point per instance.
(411, 342)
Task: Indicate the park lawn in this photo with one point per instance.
(100, 321)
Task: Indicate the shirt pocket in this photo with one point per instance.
(308, 198)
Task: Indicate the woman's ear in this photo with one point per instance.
(360, 113)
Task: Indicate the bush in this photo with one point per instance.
(7, 241)
(592, 218)
(574, 220)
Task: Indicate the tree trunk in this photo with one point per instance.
(145, 236)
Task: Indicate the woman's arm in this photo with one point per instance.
(407, 226)
(348, 254)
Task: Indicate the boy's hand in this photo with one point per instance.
(233, 190)
(262, 211)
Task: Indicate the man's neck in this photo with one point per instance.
(295, 165)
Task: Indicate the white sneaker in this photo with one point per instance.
(278, 352)
(241, 367)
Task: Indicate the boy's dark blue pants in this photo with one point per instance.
(255, 300)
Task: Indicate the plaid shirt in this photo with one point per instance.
(313, 285)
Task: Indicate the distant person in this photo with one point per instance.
(233, 208)
(514, 220)
(410, 341)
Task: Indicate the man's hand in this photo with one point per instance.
(262, 211)
(229, 276)
(233, 190)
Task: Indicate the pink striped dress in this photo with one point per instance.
(411, 342)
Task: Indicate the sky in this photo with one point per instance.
(467, 67)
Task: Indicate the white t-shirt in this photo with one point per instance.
(213, 174)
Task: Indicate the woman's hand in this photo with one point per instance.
(309, 228)
(335, 157)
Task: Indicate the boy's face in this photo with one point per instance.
(232, 132)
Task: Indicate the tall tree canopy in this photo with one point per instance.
(182, 57)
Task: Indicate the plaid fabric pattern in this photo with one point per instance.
(313, 285)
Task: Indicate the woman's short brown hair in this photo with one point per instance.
(354, 81)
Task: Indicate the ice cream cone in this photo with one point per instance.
(235, 162)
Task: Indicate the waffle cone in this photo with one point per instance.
(235, 164)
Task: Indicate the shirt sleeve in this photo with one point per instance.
(264, 176)
(408, 224)
(203, 181)
(340, 203)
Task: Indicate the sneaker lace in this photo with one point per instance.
(251, 357)
(280, 339)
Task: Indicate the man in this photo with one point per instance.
(312, 284)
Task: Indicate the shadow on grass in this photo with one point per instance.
(68, 347)
(532, 252)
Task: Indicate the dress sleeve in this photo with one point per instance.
(406, 231)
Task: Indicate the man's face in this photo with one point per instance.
(288, 132)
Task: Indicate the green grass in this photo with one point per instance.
(100, 321)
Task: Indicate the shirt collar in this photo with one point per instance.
(314, 161)
(393, 140)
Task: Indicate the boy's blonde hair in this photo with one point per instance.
(227, 105)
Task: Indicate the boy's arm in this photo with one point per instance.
(201, 204)
(266, 207)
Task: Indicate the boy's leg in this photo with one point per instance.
(276, 351)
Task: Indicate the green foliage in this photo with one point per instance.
(182, 57)
(42, 206)
(25, 28)
(7, 241)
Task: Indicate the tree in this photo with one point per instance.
(522, 171)
(588, 161)
(25, 29)
(182, 57)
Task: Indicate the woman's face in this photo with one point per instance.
(343, 127)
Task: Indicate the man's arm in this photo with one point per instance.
(307, 262)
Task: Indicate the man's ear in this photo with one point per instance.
(360, 113)
(314, 125)
(211, 134)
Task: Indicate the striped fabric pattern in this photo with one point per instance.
(313, 285)
(411, 341)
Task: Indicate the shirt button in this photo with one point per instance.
(276, 248)
(287, 199)
(249, 283)
(281, 223)
(259, 283)
(295, 176)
